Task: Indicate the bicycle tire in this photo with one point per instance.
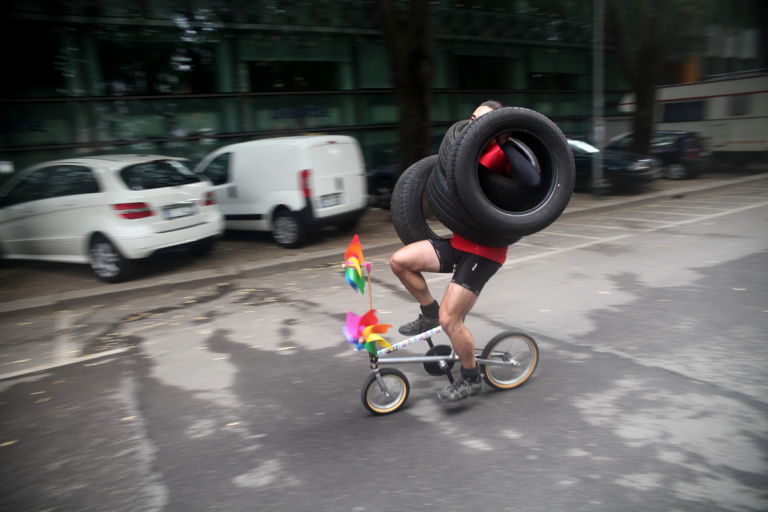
(523, 349)
(379, 402)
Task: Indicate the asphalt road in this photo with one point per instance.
(241, 394)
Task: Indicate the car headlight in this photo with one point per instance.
(640, 165)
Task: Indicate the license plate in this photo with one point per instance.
(331, 200)
(175, 212)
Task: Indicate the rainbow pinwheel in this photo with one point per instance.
(363, 331)
(353, 258)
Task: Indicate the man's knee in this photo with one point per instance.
(449, 321)
(398, 263)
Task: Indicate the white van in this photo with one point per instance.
(289, 185)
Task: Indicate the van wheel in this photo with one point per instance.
(107, 262)
(288, 230)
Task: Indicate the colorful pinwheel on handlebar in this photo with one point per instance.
(363, 332)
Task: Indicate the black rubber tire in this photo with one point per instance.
(409, 206)
(503, 191)
(445, 152)
(202, 247)
(107, 262)
(550, 147)
(456, 218)
(514, 344)
(288, 230)
(373, 398)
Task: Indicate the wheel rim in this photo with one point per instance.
(105, 260)
(675, 171)
(286, 229)
(514, 347)
(382, 402)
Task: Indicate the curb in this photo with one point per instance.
(328, 256)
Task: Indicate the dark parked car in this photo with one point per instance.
(621, 170)
(682, 154)
(381, 182)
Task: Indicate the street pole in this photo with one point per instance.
(598, 100)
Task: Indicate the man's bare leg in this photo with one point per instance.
(409, 262)
(456, 304)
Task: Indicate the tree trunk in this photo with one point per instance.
(408, 37)
(645, 99)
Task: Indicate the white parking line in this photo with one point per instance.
(600, 226)
(673, 213)
(720, 214)
(558, 233)
(640, 220)
(635, 231)
(566, 249)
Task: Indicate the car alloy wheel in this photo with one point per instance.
(106, 261)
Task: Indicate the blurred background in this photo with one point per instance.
(183, 77)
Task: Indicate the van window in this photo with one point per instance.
(678, 112)
(157, 174)
(218, 170)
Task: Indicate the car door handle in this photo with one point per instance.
(232, 191)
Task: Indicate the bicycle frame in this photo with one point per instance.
(427, 336)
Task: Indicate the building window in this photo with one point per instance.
(33, 64)
(683, 111)
(275, 76)
(479, 72)
(552, 81)
(136, 68)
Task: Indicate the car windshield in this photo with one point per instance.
(583, 146)
(157, 174)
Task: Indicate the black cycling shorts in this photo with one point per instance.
(469, 270)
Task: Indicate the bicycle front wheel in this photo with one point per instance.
(513, 357)
(389, 394)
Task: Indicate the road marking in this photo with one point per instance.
(557, 233)
(634, 232)
(720, 214)
(673, 213)
(566, 249)
(619, 228)
(640, 220)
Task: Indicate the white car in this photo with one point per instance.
(108, 211)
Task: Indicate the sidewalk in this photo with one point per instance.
(29, 285)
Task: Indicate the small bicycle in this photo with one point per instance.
(507, 361)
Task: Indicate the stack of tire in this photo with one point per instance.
(482, 206)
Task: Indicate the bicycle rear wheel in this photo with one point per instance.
(515, 356)
(388, 400)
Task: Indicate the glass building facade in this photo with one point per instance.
(183, 77)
